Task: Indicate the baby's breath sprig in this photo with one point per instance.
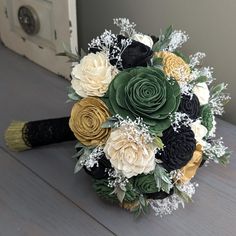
(179, 119)
(135, 130)
(127, 28)
(196, 59)
(177, 39)
(216, 150)
(111, 46)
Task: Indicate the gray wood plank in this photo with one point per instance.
(28, 206)
(214, 208)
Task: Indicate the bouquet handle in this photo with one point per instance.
(21, 136)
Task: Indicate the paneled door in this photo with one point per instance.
(38, 29)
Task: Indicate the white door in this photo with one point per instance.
(38, 29)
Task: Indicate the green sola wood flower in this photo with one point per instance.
(146, 184)
(144, 92)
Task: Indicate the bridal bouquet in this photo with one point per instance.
(144, 118)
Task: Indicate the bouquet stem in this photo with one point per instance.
(21, 136)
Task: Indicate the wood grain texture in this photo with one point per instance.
(213, 212)
(28, 206)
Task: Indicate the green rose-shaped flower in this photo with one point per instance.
(146, 93)
(105, 192)
(145, 184)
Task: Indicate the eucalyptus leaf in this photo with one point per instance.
(168, 31)
(110, 122)
(224, 160)
(142, 200)
(73, 95)
(158, 142)
(142, 207)
(78, 153)
(85, 152)
(78, 167)
(164, 45)
(200, 79)
(157, 61)
(216, 90)
(162, 178)
(183, 56)
(79, 145)
(120, 193)
(163, 40)
(82, 53)
(184, 196)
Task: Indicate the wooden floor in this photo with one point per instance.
(40, 195)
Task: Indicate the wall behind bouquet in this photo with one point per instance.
(209, 23)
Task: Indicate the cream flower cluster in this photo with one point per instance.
(92, 76)
(128, 156)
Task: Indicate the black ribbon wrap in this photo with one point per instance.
(44, 132)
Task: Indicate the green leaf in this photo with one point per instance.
(158, 142)
(101, 188)
(79, 145)
(82, 53)
(184, 196)
(157, 61)
(142, 200)
(78, 167)
(120, 193)
(224, 160)
(82, 158)
(78, 154)
(110, 123)
(162, 178)
(182, 55)
(200, 79)
(142, 208)
(168, 31)
(73, 95)
(216, 90)
(163, 40)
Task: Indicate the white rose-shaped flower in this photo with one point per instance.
(127, 156)
(200, 131)
(92, 76)
(145, 39)
(202, 92)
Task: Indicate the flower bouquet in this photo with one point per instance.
(144, 118)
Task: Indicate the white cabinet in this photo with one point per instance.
(38, 29)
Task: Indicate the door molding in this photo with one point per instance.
(63, 18)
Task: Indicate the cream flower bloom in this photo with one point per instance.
(200, 131)
(145, 39)
(202, 92)
(127, 156)
(92, 76)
